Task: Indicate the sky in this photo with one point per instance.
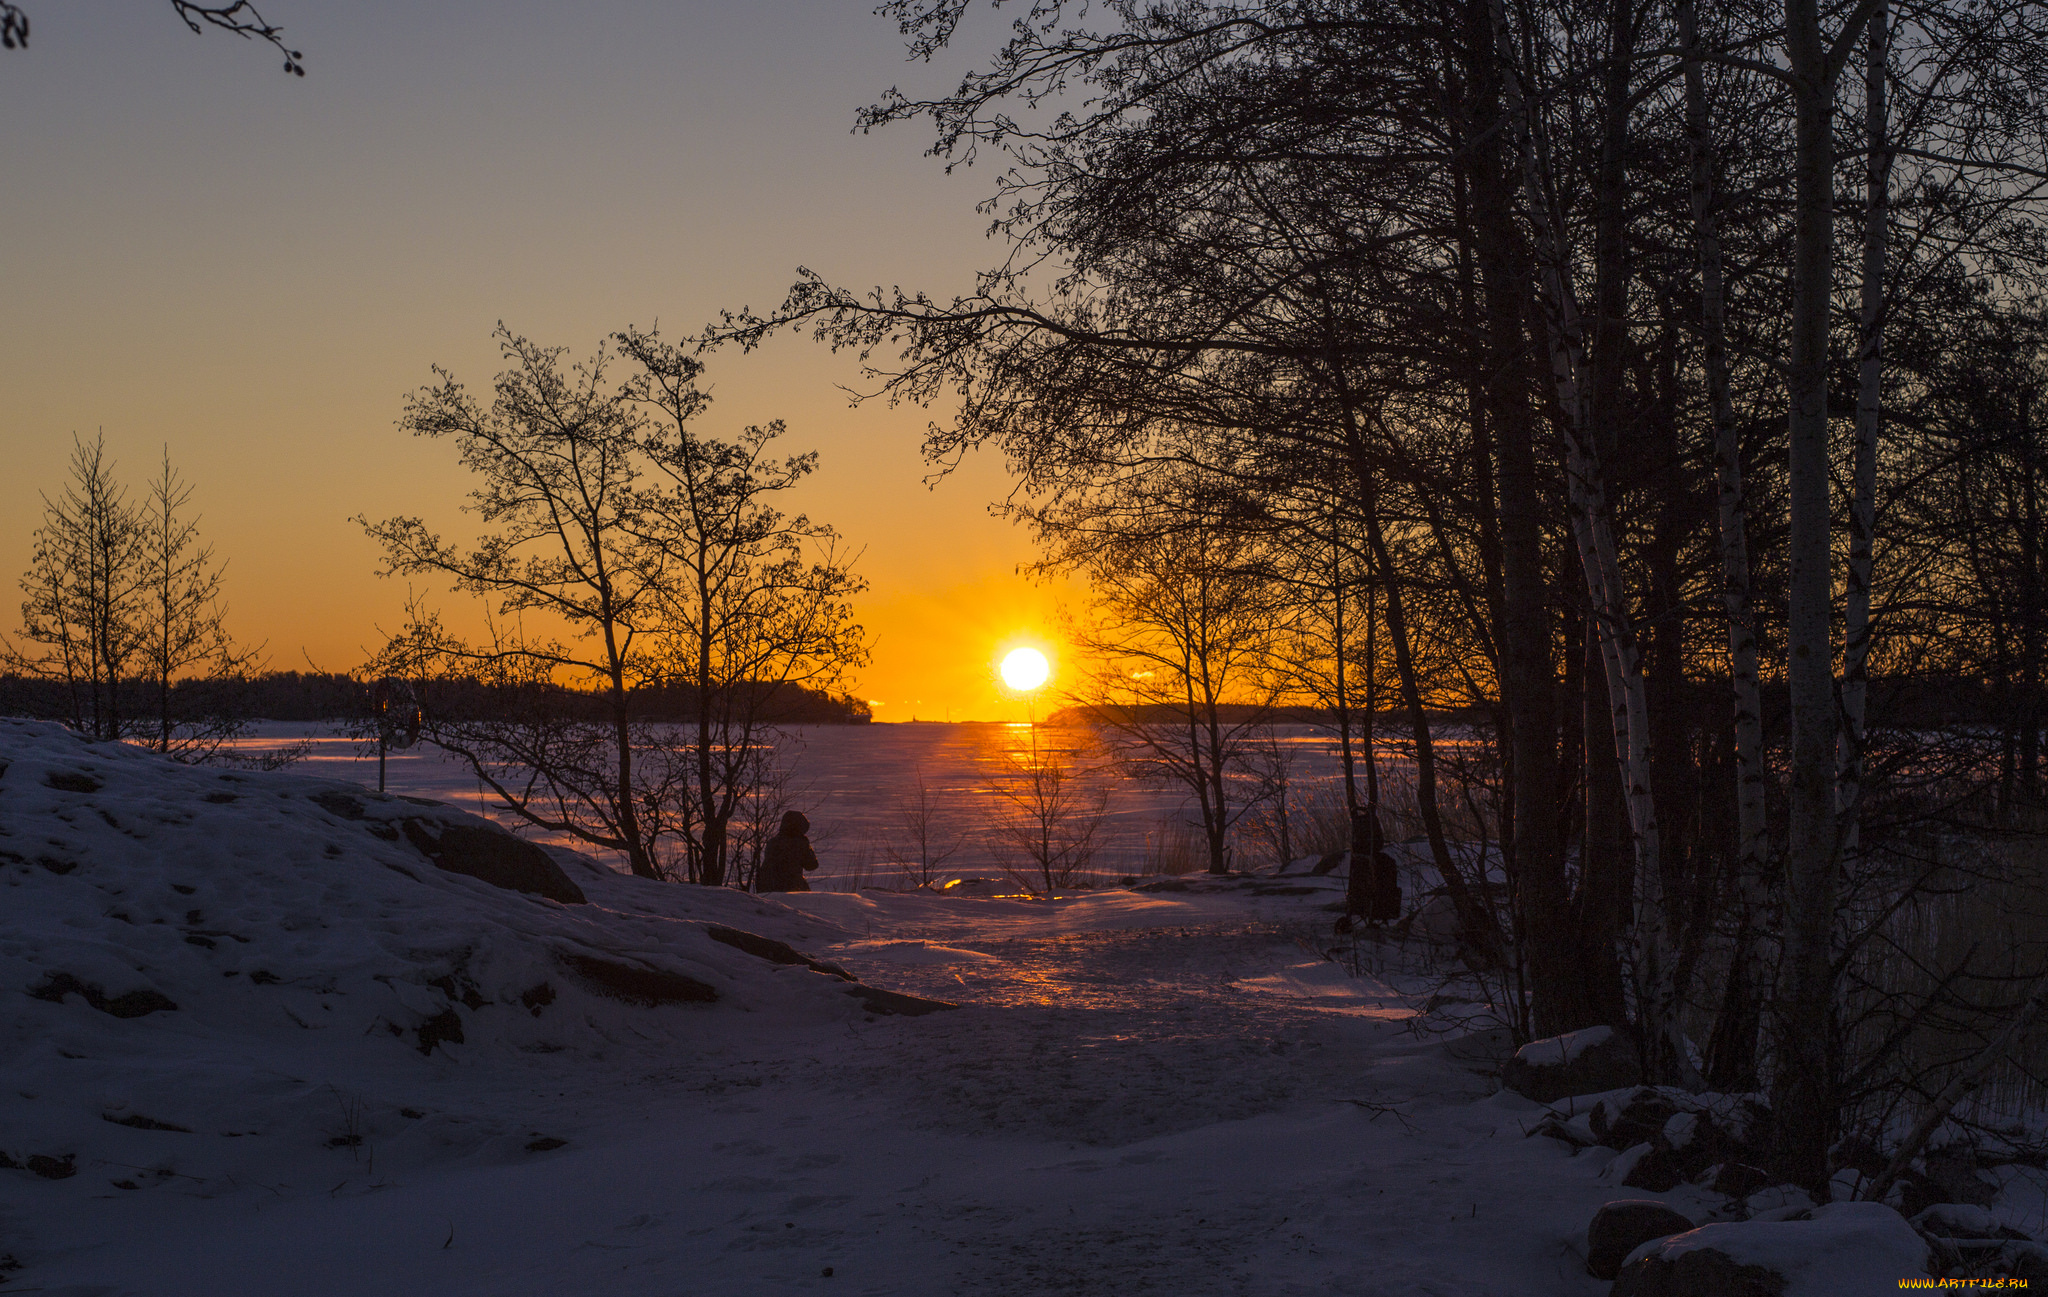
(204, 254)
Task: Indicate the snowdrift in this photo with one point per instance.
(190, 953)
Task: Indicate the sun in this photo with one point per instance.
(1025, 669)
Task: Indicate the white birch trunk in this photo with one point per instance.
(1593, 536)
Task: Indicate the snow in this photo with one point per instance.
(1174, 1092)
(1845, 1247)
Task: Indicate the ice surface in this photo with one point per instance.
(853, 780)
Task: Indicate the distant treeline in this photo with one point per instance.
(328, 696)
(1918, 702)
(1168, 714)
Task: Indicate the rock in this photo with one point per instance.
(1619, 1228)
(1915, 1193)
(1623, 1166)
(1681, 1128)
(136, 1121)
(1660, 1170)
(1578, 1062)
(775, 952)
(1969, 1241)
(1328, 862)
(1703, 1273)
(1855, 1153)
(1845, 1247)
(53, 1168)
(1738, 1180)
(895, 1002)
(71, 781)
(1573, 1130)
(459, 989)
(2028, 1263)
(1848, 1185)
(1962, 1220)
(338, 804)
(1954, 1173)
(1777, 1202)
(443, 1026)
(493, 856)
(636, 983)
(1638, 1117)
(129, 1004)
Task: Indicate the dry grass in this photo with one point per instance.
(1172, 847)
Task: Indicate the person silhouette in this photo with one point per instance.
(787, 857)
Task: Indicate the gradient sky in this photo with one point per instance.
(254, 269)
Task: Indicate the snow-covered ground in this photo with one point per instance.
(1168, 1092)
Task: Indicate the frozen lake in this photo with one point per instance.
(857, 782)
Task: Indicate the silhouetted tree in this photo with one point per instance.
(753, 603)
(239, 18)
(124, 608)
(630, 555)
(1180, 637)
(85, 594)
(184, 638)
(1553, 296)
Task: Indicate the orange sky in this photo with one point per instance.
(256, 269)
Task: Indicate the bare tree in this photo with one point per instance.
(85, 594)
(124, 601)
(1048, 813)
(558, 461)
(626, 553)
(1342, 240)
(1269, 762)
(1181, 634)
(189, 660)
(752, 601)
(924, 847)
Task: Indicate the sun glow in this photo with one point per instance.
(1025, 669)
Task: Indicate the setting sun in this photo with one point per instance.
(1025, 669)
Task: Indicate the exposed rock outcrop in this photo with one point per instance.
(494, 856)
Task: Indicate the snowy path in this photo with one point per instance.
(1123, 1105)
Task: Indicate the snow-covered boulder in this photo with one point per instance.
(1578, 1062)
(1845, 1247)
(1619, 1228)
(1667, 1136)
(1973, 1242)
